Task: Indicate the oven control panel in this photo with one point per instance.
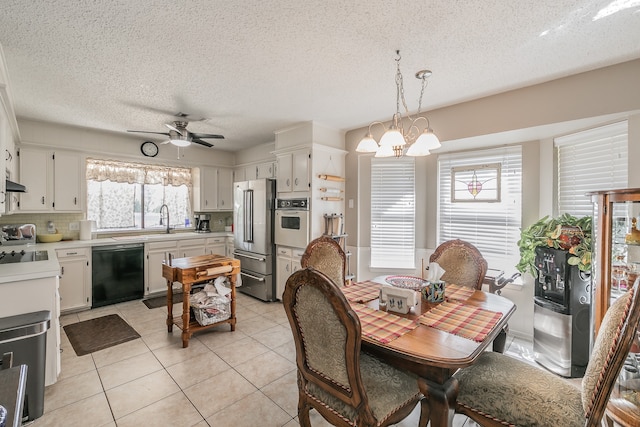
(300, 204)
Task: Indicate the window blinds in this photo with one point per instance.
(592, 160)
(393, 213)
(493, 227)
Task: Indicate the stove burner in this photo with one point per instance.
(22, 256)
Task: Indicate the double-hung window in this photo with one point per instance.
(592, 160)
(480, 196)
(124, 195)
(393, 212)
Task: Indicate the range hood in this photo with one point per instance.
(14, 187)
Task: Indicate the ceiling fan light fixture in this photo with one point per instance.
(180, 142)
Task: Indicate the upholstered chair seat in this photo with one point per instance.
(346, 386)
(499, 390)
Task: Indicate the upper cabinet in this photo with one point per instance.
(212, 189)
(293, 171)
(256, 171)
(9, 135)
(53, 179)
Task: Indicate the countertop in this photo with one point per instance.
(51, 267)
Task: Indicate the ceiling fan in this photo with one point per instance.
(181, 137)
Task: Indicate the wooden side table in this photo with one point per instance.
(194, 270)
(622, 411)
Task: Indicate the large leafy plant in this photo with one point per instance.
(565, 232)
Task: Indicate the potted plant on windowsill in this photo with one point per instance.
(565, 232)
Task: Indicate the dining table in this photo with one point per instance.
(434, 339)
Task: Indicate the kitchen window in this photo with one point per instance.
(393, 213)
(123, 196)
(493, 226)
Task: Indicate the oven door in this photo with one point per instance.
(292, 228)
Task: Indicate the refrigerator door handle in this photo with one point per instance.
(248, 216)
(251, 276)
(261, 259)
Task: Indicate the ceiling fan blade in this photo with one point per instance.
(207, 135)
(173, 128)
(144, 131)
(201, 142)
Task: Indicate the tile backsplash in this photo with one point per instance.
(62, 220)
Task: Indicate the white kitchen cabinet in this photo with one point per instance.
(225, 189)
(53, 180)
(287, 263)
(156, 253)
(293, 171)
(216, 245)
(229, 246)
(75, 278)
(265, 170)
(191, 247)
(213, 189)
(239, 174)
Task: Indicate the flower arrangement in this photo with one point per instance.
(565, 232)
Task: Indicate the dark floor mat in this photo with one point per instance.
(99, 333)
(156, 302)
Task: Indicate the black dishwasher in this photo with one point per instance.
(117, 274)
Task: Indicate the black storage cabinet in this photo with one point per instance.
(25, 335)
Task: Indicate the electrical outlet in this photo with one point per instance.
(74, 226)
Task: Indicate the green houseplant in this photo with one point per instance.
(565, 232)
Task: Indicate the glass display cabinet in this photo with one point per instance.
(615, 268)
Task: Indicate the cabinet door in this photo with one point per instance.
(206, 189)
(265, 170)
(153, 268)
(283, 271)
(217, 249)
(74, 273)
(300, 167)
(225, 189)
(238, 175)
(35, 167)
(67, 182)
(284, 183)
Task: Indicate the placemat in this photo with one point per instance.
(466, 321)
(362, 291)
(382, 326)
(454, 292)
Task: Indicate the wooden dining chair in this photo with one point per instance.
(346, 386)
(499, 390)
(463, 263)
(325, 255)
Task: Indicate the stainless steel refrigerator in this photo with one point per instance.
(253, 207)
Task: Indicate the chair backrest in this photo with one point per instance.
(326, 332)
(463, 263)
(617, 332)
(325, 255)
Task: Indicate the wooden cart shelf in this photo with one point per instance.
(191, 271)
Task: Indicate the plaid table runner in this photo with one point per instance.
(466, 321)
(380, 325)
(457, 292)
(362, 291)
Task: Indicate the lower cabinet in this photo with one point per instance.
(287, 263)
(230, 245)
(191, 247)
(155, 254)
(216, 245)
(75, 278)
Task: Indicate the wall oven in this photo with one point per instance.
(292, 223)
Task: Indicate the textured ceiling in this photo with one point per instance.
(253, 67)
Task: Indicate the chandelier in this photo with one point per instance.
(404, 129)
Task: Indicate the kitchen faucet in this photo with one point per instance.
(161, 208)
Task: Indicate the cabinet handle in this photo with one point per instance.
(75, 200)
(295, 182)
(288, 182)
(221, 202)
(206, 203)
(62, 271)
(71, 253)
(43, 200)
(286, 268)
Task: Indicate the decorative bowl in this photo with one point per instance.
(49, 238)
